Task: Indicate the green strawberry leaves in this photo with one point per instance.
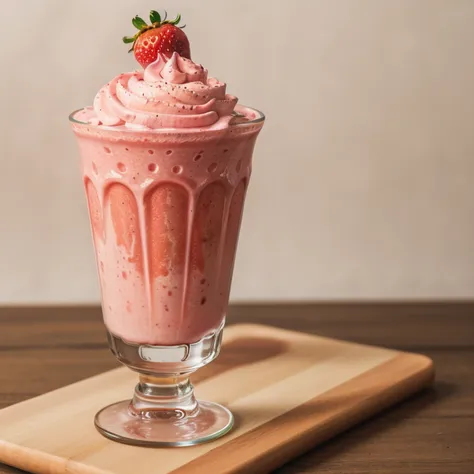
(176, 20)
(139, 23)
(155, 17)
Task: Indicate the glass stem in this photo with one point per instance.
(168, 397)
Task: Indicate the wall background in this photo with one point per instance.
(362, 184)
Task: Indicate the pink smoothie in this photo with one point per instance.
(165, 202)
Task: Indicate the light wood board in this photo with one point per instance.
(288, 391)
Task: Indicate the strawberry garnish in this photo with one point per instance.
(162, 36)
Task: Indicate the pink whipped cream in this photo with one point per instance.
(169, 93)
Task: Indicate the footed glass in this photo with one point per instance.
(165, 208)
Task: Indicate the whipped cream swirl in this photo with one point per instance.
(170, 93)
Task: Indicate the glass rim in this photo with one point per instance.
(259, 119)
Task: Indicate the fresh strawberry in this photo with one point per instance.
(162, 36)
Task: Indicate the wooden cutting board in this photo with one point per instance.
(288, 391)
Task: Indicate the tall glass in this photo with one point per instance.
(165, 208)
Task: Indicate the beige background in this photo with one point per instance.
(362, 185)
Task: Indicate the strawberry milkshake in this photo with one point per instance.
(166, 160)
(165, 174)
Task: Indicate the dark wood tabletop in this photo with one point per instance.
(42, 349)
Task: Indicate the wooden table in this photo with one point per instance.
(45, 348)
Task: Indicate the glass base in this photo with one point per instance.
(164, 410)
(120, 422)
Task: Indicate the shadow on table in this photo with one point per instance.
(10, 470)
